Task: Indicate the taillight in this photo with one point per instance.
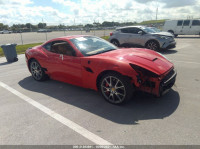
(111, 34)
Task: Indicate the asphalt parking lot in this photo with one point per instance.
(34, 37)
(55, 113)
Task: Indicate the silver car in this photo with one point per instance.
(142, 36)
(5, 32)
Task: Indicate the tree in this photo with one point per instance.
(42, 25)
(88, 26)
(1, 26)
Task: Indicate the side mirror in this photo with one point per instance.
(140, 32)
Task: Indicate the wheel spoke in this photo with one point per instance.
(107, 82)
(107, 89)
(119, 87)
(118, 97)
(111, 95)
(119, 94)
(110, 81)
(116, 83)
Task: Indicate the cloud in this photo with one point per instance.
(15, 2)
(69, 12)
(170, 3)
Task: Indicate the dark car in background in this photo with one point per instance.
(44, 30)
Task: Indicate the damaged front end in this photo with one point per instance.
(153, 83)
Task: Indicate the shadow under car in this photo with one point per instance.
(142, 107)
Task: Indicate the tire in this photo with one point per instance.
(36, 70)
(172, 32)
(116, 88)
(153, 45)
(176, 35)
(15, 59)
(115, 42)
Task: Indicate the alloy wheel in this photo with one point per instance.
(36, 70)
(113, 89)
(152, 45)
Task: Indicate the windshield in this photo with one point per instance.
(89, 45)
(148, 30)
(155, 29)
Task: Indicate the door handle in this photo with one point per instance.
(61, 55)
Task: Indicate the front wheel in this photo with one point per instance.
(37, 71)
(175, 35)
(152, 45)
(116, 88)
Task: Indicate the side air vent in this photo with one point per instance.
(88, 69)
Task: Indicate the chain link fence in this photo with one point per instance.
(38, 37)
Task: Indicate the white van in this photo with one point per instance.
(182, 27)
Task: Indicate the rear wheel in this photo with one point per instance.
(115, 42)
(37, 71)
(153, 45)
(176, 35)
(116, 88)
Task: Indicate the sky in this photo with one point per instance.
(70, 12)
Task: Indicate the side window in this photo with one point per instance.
(125, 30)
(186, 23)
(196, 23)
(47, 46)
(62, 47)
(130, 30)
(180, 22)
(136, 30)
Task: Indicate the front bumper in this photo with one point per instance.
(159, 87)
(167, 82)
(169, 45)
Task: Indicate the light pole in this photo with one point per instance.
(156, 12)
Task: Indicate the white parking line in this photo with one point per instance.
(82, 131)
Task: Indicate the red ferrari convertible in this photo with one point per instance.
(91, 62)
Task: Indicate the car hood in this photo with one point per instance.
(145, 58)
(163, 33)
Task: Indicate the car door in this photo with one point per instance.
(123, 36)
(186, 30)
(134, 37)
(53, 61)
(179, 27)
(71, 65)
(195, 27)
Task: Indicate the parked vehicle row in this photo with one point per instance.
(44, 30)
(5, 32)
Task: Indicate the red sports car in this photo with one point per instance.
(94, 63)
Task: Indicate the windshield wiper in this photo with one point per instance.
(101, 52)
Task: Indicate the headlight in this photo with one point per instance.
(143, 71)
(164, 37)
